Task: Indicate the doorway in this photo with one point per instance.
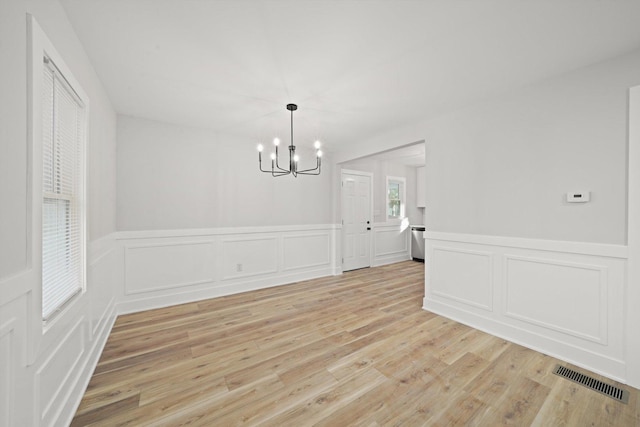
(357, 210)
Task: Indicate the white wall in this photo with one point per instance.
(43, 372)
(172, 177)
(511, 163)
(502, 167)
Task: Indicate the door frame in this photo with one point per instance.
(342, 235)
(632, 299)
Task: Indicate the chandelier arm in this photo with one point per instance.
(260, 164)
(317, 168)
(279, 169)
(278, 165)
(310, 172)
(273, 171)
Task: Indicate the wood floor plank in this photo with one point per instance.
(349, 350)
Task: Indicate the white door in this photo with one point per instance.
(356, 221)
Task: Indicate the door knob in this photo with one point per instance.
(368, 228)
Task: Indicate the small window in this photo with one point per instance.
(395, 197)
(63, 145)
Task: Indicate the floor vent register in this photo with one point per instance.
(613, 392)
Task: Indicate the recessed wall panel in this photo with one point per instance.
(463, 276)
(249, 257)
(566, 297)
(7, 369)
(59, 366)
(155, 267)
(306, 251)
(388, 242)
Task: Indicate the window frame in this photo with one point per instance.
(41, 47)
(67, 179)
(402, 197)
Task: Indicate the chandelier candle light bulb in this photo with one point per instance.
(276, 170)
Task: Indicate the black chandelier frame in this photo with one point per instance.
(277, 170)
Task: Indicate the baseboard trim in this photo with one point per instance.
(392, 259)
(215, 290)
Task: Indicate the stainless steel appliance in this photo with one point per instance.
(417, 242)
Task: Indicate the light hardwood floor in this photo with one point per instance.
(355, 349)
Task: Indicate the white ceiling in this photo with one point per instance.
(355, 68)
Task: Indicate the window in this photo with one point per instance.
(63, 141)
(395, 197)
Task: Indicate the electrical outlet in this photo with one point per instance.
(238, 267)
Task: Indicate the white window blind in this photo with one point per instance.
(62, 223)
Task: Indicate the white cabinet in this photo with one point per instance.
(420, 187)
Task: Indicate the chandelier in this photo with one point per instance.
(276, 169)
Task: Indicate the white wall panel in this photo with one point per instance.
(249, 256)
(7, 369)
(566, 297)
(306, 251)
(390, 243)
(55, 375)
(102, 276)
(155, 267)
(163, 268)
(462, 275)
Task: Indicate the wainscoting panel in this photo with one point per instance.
(391, 243)
(44, 369)
(56, 371)
(306, 251)
(7, 369)
(16, 398)
(164, 268)
(166, 265)
(102, 275)
(471, 285)
(565, 299)
(249, 256)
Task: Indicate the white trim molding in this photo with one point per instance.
(565, 299)
(632, 296)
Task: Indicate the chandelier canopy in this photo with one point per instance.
(276, 169)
